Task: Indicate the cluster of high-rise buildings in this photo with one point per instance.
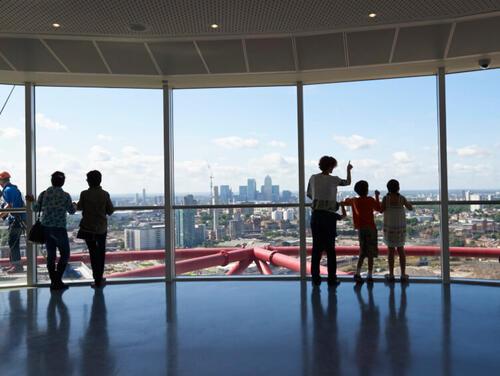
(249, 193)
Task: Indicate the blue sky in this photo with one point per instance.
(387, 128)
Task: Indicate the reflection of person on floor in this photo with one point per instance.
(12, 337)
(96, 358)
(397, 334)
(368, 335)
(325, 335)
(48, 352)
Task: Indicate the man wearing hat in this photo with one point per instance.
(13, 200)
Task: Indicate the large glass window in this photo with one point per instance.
(12, 141)
(388, 130)
(120, 133)
(235, 146)
(473, 113)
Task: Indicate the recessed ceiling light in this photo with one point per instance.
(372, 15)
(56, 25)
(214, 26)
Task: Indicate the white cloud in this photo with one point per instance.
(45, 122)
(355, 142)
(10, 133)
(103, 137)
(130, 150)
(99, 154)
(365, 163)
(234, 142)
(402, 157)
(472, 151)
(277, 144)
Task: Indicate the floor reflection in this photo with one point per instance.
(47, 350)
(397, 334)
(325, 351)
(369, 328)
(97, 358)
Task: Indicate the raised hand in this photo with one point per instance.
(349, 166)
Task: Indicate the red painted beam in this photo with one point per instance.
(285, 261)
(240, 266)
(263, 267)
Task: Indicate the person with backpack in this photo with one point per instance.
(13, 199)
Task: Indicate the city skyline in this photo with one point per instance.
(387, 128)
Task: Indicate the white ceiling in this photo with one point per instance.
(258, 42)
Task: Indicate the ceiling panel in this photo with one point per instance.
(370, 47)
(127, 58)
(78, 56)
(177, 58)
(175, 18)
(321, 51)
(474, 37)
(4, 65)
(29, 55)
(421, 43)
(225, 56)
(270, 55)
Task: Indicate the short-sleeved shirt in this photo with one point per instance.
(95, 204)
(55, 203)
(322, 189)
(12, 196)
(362, 211)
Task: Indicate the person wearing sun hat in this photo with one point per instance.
(13, 199)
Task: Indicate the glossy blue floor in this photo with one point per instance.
(251, 328)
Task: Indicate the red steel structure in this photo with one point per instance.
(190, 260)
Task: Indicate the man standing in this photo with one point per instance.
(13, 200)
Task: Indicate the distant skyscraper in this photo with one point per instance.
(188, 230)
(275, 193)
(144, 196)
(267, 189)
(243, 193)
(251, 189)
(137, 202)
(286, 196)
(225, 194)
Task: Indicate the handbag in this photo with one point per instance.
(37, 233)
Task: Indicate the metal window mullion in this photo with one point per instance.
(30, 149)
(168, 166)
(302, 190)
(443, 176)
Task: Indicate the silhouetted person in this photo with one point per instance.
(96, 357)
(54, 204)
(13, 198)
(95, 205)
(397, 334)
(326, 352)
(322, 190)
(368, 335)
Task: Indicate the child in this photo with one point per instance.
(322, 190)
(393, 207)
(362, 213)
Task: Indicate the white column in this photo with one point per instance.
(168, 154)
(443, 176)
(30, 145)
(302, 190)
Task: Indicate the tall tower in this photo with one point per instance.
(251, 189)
(144, 196)
(267, 188)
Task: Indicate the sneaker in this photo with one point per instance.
(357, 278)
(405, 278)
(369, 279)
(58, 286)
(333, 283)
(389, 278)
(15, 269)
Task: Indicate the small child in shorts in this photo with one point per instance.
(393, 207)
(362, 213)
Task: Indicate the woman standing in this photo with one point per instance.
(95, 204)
(54, 204)
(322, 190)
